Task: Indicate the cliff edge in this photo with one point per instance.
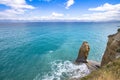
(112, 51)
(110, 64)
(110, 71)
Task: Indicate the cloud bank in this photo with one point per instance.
(106, 7)
(54, 14)
(18, 8)
(105, 12)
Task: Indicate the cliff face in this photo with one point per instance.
(112, 51)
(110, 63)
(110, 71)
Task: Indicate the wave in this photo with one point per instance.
(63, 70)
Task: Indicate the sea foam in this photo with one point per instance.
(63, 70)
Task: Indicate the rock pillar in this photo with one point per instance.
(83, 53)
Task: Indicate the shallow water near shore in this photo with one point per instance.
(46, 51)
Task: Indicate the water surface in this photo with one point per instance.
(45, 51)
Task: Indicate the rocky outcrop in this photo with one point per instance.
(83, 53)
(112, 51)
(93, 65)
(82, 57)
(110, 71)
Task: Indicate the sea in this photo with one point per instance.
(48, 50)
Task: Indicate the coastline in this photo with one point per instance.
(36, 47)
(110, 58)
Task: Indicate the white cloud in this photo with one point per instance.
(17, 11)
(101, 16)
(105, 12)
(106, 7)
(16, 7)
(54, 14)
(16, 4)
(69, 3)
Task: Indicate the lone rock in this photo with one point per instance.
(83, 53)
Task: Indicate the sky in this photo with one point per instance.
(65, 10)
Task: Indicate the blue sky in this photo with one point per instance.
(81, 10)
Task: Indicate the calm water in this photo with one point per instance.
(45, 51)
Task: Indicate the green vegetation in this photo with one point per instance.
(118, 50)
(119, 30)
(109, 72)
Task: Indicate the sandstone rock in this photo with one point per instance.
(113, 49)
(83, 53)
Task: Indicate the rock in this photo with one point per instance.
(112, 51)
(82, 57)
(93, 65)
(83, 53)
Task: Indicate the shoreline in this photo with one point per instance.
(110, 58)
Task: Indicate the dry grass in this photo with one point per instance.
(106, 76)
(108, 72)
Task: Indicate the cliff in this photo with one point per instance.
(110, 64)
(112, 51)
(110, 71)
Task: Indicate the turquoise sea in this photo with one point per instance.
(47, 50)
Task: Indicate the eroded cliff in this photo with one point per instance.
(110, 64)
(112, 51)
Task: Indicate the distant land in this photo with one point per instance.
(54, 21)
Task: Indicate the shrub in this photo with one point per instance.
(118, 50)
(119, 30)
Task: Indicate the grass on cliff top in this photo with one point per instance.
(109, 72)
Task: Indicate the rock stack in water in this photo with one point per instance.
(83, 53)
(82, 57)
